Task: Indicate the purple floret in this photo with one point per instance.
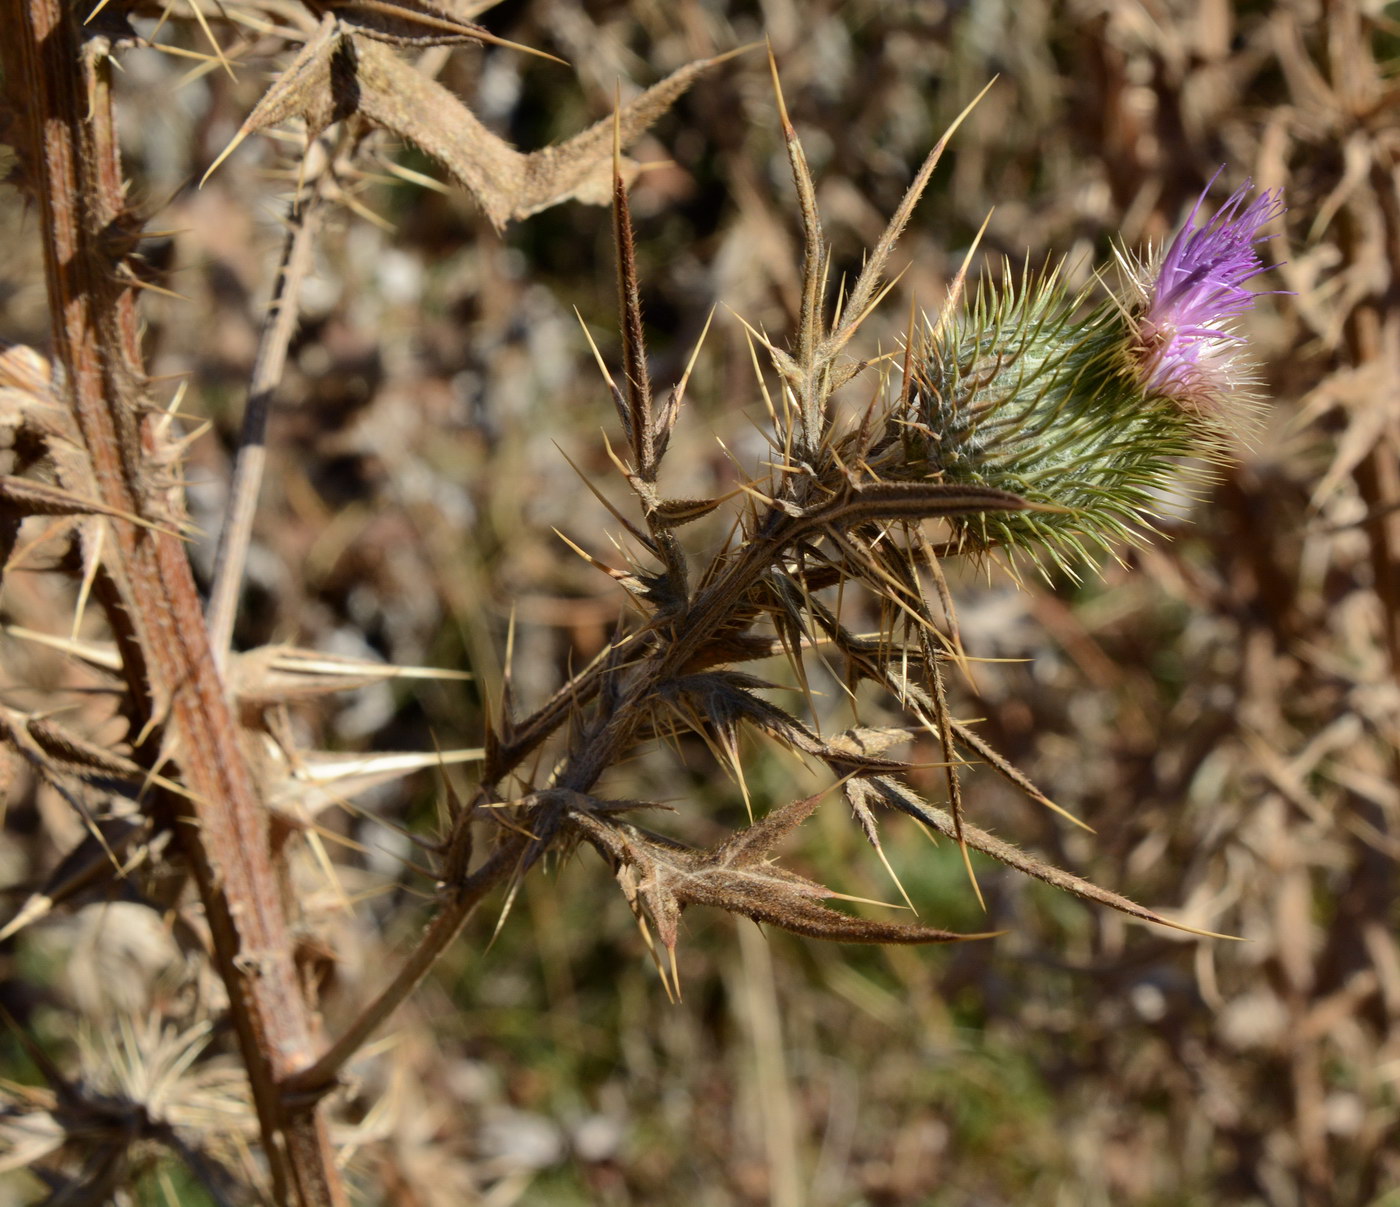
(1199, 290)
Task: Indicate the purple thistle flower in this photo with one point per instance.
(1184, 331)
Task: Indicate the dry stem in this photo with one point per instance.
(63, 72)
(278, 329)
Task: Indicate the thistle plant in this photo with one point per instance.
(1186, 350)
(1098, 412)
(1016, 420)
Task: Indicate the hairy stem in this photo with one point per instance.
(318, 1078)
(62, 71)
(608, 737)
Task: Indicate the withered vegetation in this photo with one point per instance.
(268, 746)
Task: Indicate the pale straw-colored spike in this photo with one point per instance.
(694, 356)
(749, 335)
(92, 561)
(317, 768)
(955, 290)
(132, 282)
(597, 494)
(421, 179)
(844, 334)
(102, 655)
(597, 355)
(314, 662)
(213, 41)
(356, 206)
(871, 274)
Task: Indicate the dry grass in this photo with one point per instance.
(1221, 707)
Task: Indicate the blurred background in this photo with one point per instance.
(1220, 705)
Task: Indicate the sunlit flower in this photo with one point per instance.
(1025, 392)
(1102, 414)
(1184, 331)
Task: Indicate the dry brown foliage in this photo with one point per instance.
(284, 702)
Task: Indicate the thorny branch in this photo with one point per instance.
(63, 71)
(845, 508)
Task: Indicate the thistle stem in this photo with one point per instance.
(231, 559)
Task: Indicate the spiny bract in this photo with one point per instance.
(1100, 416)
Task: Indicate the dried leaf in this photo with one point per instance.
(864, 742)
(317, 86)
(1356, 391)
(581, 168)
(337, 74)
(661, 878)
(55, 751)
(860, 795)
(904, 799)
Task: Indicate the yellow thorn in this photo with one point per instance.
(597, 355)
(789, 132)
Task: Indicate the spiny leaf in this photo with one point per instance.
(54, 750)
(865, 742)
(580, 168)
(860, 794)
(337, 74)
(633, 855)
(672, 513)
(911, 501)
(661, 878)
(1009, 771)
(641, 424)
(310, 87)
(904, 799)
(29, 496)
(414, 23)
(724, 697)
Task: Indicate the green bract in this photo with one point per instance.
(1024, 392)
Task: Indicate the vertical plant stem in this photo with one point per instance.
(62, 71)
(762, 1018)
(278, 328)
(315, 1079)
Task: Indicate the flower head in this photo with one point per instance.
(1102, 414)
(1184, 337)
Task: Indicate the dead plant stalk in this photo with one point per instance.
(149, 594)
